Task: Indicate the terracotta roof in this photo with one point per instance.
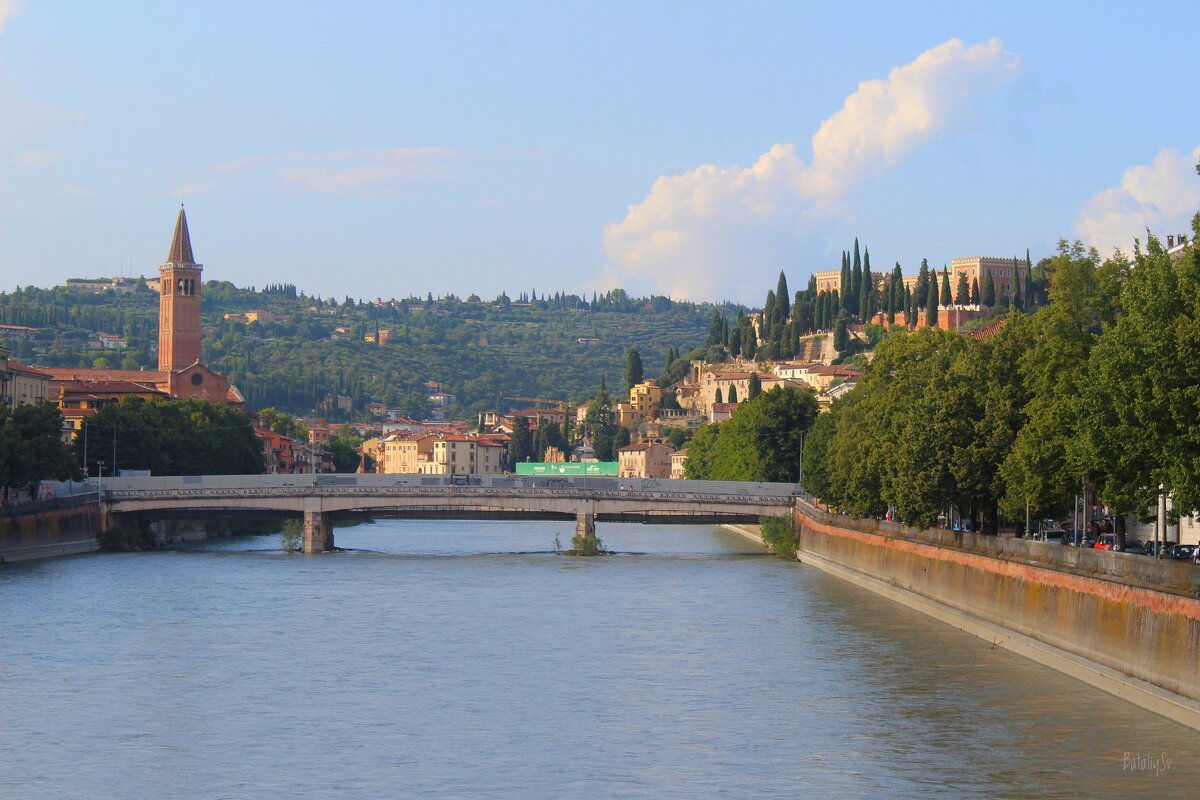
(104, 375)
(181, 243)
(17, 366)
(109, 387)
(988, 330)
(630, 448)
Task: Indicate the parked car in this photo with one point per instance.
(1135, 547)
(1183, 552)
(1075, 539)
(1155, 548)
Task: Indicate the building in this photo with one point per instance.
(828, 280)
(1004, 273)
(180, 374)
(441, 454)
(679, 465)
(643, 398)
(21, 385)
(644, 460)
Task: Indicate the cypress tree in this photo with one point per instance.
(866, 299)
(732, 393)
(725, 331)
(819, 310)
(931, 305)
(835, 306)
(946, 296)
(851, 298)
(844, 284)
(962, 292)
(717, 397)
(975, 292)
(841, 337)
(782, 309)
(922, 290)
(767, 316)
(989, 290)
(755, 388)
(1018, 302)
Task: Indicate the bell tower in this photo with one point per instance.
(179, 304)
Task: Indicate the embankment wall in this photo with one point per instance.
(1133, 616)
(59, 527)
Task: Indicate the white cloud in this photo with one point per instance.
(1161, 197)
(8, 9)
(697, 232)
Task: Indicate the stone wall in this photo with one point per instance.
(1134, 615)
(50, 528)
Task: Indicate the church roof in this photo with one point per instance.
(181, 242)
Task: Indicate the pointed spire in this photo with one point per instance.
(181, 242)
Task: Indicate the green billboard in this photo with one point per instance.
(593, 469)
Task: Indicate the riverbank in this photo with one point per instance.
(49, 528)
(1126, 625)
(751, 532)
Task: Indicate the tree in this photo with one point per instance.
(962, 292)
(782, 310)
(1138, 403)
(520, 445)
(1018, 301)
(931, 305)
(761, 442)
(856, 282)
(946, 296)
(31, 447)
(633, 368)
(755, 388)
(866, 300)
(841, 337)
(733, 398)
(975, 292)
(717, 397)
(180, 437)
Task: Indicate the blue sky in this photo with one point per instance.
(388, 149)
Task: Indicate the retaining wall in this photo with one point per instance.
(1134, 615)
(64, 526)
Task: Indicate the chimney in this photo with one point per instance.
(1170, 241)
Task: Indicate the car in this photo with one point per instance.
(1074, 539)
(1157, 548)
(1183, 552)
(1135, 547)
(1106, 541)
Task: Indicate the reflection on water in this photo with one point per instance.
(466, 659)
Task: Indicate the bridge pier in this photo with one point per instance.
(585, 525)
(318, 532)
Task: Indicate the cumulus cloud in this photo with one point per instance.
(8, 8)
(703, 227)
(1161, 197)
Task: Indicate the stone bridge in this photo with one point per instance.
(317, 497)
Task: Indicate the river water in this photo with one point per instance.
(460, 659)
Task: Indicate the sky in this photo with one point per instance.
(689, 149)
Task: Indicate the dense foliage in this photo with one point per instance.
(31, 447)
(760, 442)
(185, 437)
(1099, 390)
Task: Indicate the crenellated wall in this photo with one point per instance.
(1134, 617)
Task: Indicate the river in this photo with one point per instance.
(465, 659)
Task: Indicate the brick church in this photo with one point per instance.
(82, 392)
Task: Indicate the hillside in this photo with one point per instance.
(302, 351)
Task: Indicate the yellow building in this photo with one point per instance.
(643, 398)
(21, 385)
